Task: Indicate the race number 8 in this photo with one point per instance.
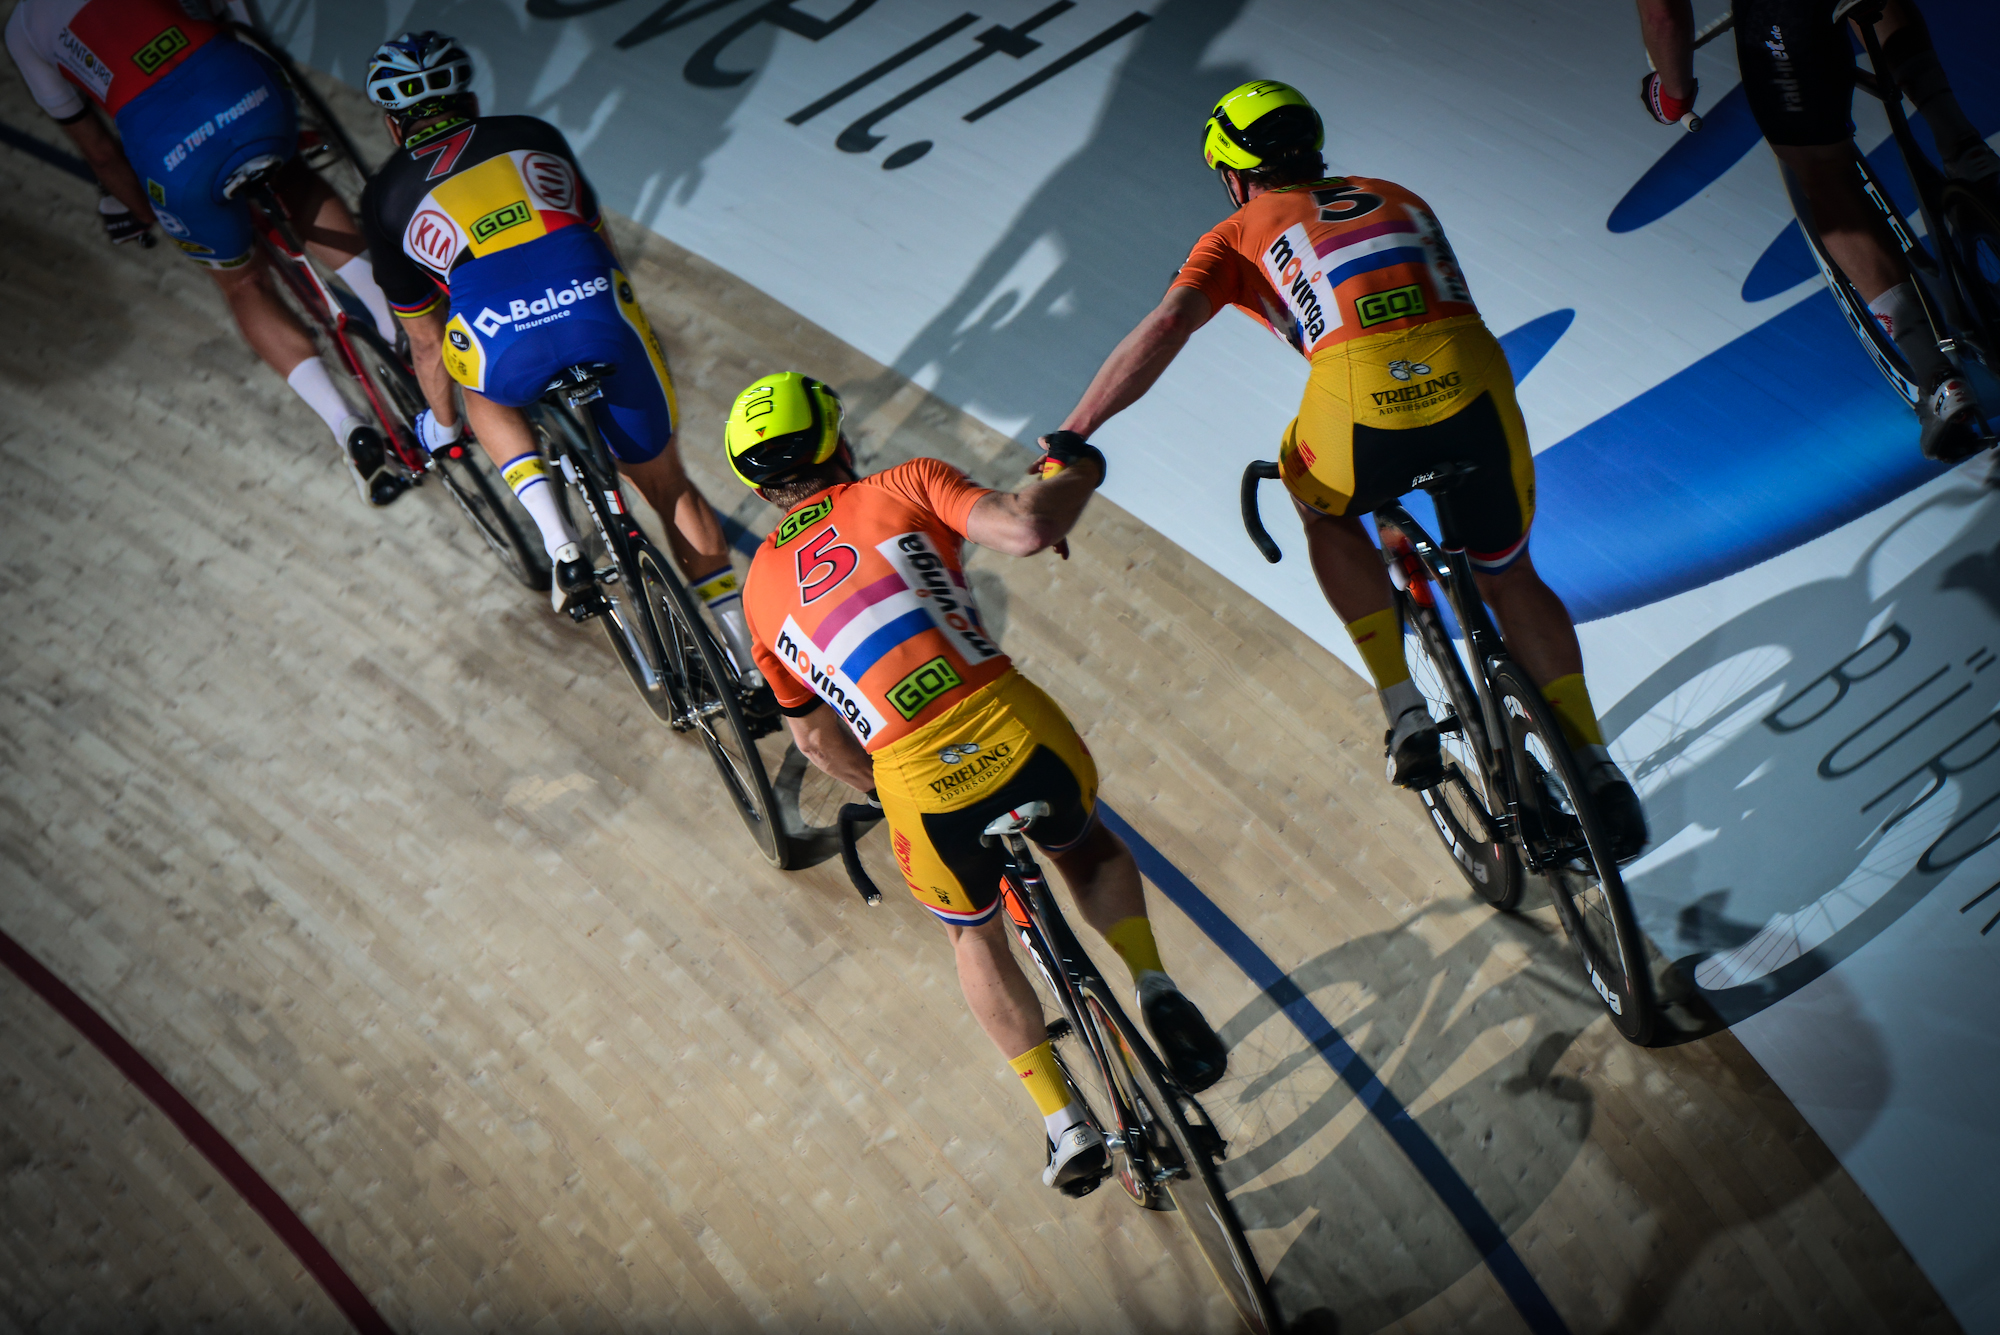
(823, 564)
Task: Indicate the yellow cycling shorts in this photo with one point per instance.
(1001, 747)
(1380, 413)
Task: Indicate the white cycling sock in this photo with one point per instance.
(529, 477)
(1901, 315)
(722, 594)
(1063, 1119)
(1398, 699)
(359, 274)
(310, 382)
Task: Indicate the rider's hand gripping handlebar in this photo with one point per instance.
(1260, 470)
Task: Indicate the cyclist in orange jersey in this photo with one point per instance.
(864, 625)
(1357, 276)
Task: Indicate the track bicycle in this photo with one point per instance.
(1959, 271)
(664, 639)
(1162, 1146)
(381, 379)
(1512, 798)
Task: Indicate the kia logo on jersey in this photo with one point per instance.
(551, 180)
(433, 239)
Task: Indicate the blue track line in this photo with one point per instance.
(1480, 1227)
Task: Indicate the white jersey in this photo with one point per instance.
(111, 49)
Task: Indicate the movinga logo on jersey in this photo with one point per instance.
(827, 681)
(1294, 270)
(949, 605)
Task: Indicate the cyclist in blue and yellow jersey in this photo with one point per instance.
(494, 256)
(866, 628)
(1357, 276)
(193, 106)
(1798, 73)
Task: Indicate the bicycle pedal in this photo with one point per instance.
(1059, 1028)
(608, 575)
(1084, 1186)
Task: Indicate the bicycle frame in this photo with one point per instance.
(586, 466)
(323, 304)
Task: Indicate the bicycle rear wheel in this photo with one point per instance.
(710, 699)
(1461, 808)
(1185, 1145)
(1874, 341)
(1562, 831)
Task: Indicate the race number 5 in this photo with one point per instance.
(823, 564)
(1345, 203)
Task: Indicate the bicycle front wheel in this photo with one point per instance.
(709, 690)
(1564, 835)
(1184, 1144)
(1461, 808)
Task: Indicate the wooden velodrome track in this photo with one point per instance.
(388, 871)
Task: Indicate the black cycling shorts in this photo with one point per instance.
(1798, 70)
(1488, 511)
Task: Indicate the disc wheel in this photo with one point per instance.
(1563, 833)
(712, 705)
(1461, 808)
(1185, 1146)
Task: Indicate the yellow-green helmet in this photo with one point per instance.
(781, 423)
(1259, 122)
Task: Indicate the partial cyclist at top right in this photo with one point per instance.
(1797, 63)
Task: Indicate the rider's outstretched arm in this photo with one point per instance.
(1668, 29)
(1140, 359)
(823, 739)
(1021, 523)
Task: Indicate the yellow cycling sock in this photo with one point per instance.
(1045, 1083)
(1379, 637)
(1570, 699)
(1132, 938)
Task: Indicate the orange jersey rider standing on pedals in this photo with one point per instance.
(864, 626)
(1355, 274)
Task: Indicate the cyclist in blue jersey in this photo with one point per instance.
(492, 252)
(193, 106)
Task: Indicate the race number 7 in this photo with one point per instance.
(823, 564)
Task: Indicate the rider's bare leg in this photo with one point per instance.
(1104, 881)
(1350, 572)
(276, 335)
(1845, 220)
(509, 442)
(1538, 628)
(694, 531)
(1008, 1011)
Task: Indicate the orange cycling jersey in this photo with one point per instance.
(858, 600)
(1332, 261)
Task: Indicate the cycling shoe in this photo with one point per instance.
(1617, 804)
(1411, 744)
(1949, 419)
(1193, 1051)
(368, 463)
(1077, 1161)
(574, 586)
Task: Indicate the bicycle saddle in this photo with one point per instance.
(578, 383)
(258, 171)
(1442, 477)
(1015, 821)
